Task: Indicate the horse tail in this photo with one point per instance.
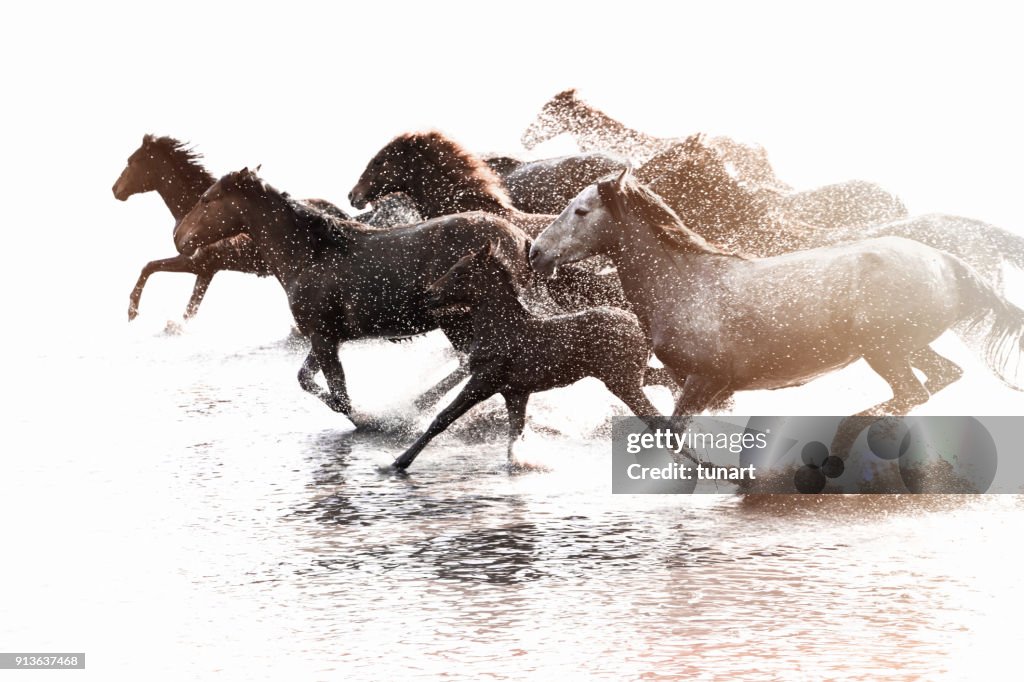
(992, 326)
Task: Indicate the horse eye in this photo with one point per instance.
(582, 211)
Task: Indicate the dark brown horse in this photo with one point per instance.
(344, 280)
(516, 353)
(548, 185)
(175, 171)
(595, 131)
(443, 178)
(723, 323)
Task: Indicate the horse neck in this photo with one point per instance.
(443, 191)
(182, 187)
(288, 244)
(645, 265)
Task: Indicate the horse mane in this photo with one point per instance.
(454, 160)
(338, 232)
(183, 155)
(632, 198)
(324, 226)
(695, 176)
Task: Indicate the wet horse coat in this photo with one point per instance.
(723, 323)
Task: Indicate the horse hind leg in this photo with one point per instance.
(430, 398)
(515, 404)
(700, 393)
(907, 390)
(940, 371)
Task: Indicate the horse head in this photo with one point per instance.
(585, 228)
(471, 280)
(219, 213)
(552, 119)
(142, 171)
(386, 173)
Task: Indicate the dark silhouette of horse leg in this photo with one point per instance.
(659, 376)
(198, 292)
(907, 390)
(430, 398)
(515, 403)
(477, 390)
(307, 377)
(699, 392)
(940, 371)
(634, 398)
(325, 353)
(175, 264)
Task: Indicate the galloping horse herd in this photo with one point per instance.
(541, 273)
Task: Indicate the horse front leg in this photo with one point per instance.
(176, 264)
(325, 353)
(477, 390)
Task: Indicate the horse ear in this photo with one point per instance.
(620, 182)
(257, 170)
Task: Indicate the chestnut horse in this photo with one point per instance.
(175, 171)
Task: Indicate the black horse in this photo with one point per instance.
(516, 353)
(175, 171)
(344, 280)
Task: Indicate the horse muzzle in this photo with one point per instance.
(358, 199)
(119, 192)
(542, 262)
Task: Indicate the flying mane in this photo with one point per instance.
(455, 161)
(695, 178)
(638, 201)
(183, 155)
(325, 228)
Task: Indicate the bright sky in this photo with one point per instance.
(923, 98)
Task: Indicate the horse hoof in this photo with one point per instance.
(133, 312)
(520, 467)
(337, 405)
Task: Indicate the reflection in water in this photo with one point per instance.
(273, 543)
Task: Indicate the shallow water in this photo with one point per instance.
(180, 506)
